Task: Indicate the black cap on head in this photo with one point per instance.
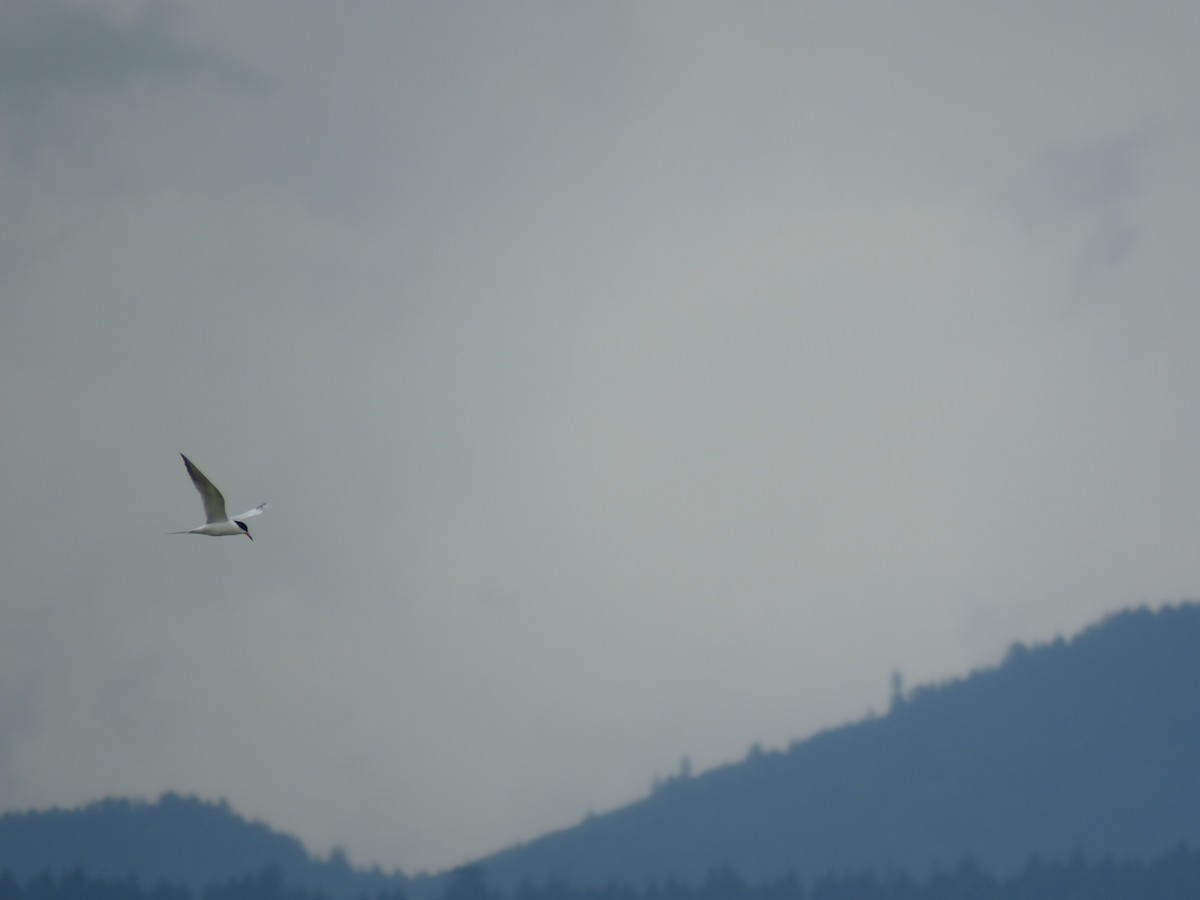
(245, 530)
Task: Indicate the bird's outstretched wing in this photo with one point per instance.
(254, 512)
(214, 503)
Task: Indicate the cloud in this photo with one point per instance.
(625, 382)
(51, 50)
(1088, 190)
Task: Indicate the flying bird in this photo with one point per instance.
(214, 508)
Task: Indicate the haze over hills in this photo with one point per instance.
(1091, 743)
(1083, 744)
(178, 839)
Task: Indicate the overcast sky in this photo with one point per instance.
(627, 381)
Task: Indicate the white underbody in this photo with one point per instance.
(216, 529)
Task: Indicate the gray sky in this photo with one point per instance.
(627, 381)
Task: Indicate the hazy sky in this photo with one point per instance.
(627, 381)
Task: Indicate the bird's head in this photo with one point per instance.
(245, 530)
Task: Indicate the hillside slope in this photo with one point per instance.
(1091, 743)
(178, 839)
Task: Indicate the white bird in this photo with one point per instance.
(214, 508)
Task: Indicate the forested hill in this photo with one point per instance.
(178, 839)
(1089, 744)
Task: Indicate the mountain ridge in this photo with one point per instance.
(1081, 744)
(1086, 743)
(177, 839)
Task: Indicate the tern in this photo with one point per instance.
(218, 523)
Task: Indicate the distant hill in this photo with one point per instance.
(1090, 744)
(177, 839)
